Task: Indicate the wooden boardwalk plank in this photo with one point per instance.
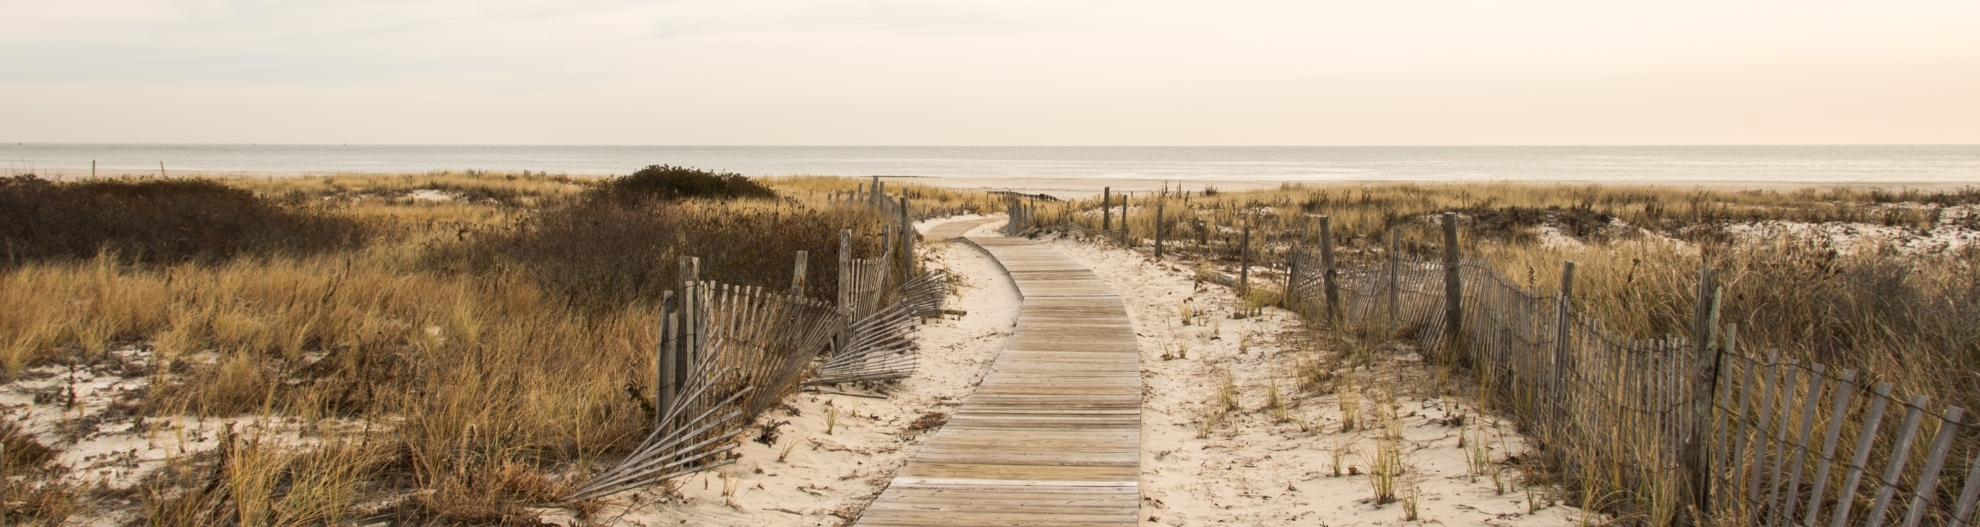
(1053, 434)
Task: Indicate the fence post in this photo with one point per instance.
(886, 259)
(845, 268)
(666, 384)
(1106, 208)
(1395, 276)
(907, 240)
(797, 275)
(1158, 229)
(1453, 288)
(873, 200)
(1292, 272)
(1697, 456)
(1327, 271)
(1244, 260)
(690, 311)
(1562, 323)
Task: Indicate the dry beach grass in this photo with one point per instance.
(475, 346)
(454, 348)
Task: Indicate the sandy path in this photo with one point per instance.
(827, 478)
(1257, 468)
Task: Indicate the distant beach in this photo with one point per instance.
(1067, 170)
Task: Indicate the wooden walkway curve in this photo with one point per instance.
(1053, 435)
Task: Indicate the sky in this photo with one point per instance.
(1002, 72)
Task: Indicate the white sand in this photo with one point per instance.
(1252, 471)
(829, 478)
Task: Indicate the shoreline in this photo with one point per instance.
(1081, 187)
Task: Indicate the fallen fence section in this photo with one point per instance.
(727, 352)
(879, 347)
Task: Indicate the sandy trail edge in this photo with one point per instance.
(1252, 470)
(828, 478)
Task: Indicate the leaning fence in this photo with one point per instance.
(1680, 430)
(1683, 430)
(727, 352)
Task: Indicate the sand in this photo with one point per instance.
(1255, 469)
(827, 478)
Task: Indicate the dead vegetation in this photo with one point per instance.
(1879, 282)
(439, 348)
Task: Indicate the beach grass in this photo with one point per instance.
(467, 355)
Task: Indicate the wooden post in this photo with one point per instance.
(1244, 260)
(161, 169)
(1395, 276)
(1453, 289)
(1292, 272)
(667, 384)
(1697, 456)
(1561, 336)
(1327, 271)
(1106, 208)
(873, 200)
(797, 275)
(92, 175)
(1158, 229)
(907, 240)
(886, 257)
(845, 268)
(691, 307)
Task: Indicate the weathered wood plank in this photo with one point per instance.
(1052, 436)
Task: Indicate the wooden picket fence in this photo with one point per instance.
(1683, 430)
(1676, 431)
(728, 352)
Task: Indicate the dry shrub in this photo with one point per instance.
(603, 254)
(157, 220)
(664, 182)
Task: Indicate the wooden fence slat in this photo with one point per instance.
(1780, 446)
(1751, 477)
(1817, 379)
(1895, 466)
(1864, 440)
(1968, 494)
(1726, 462)
(1928, 478)
(1838, 411)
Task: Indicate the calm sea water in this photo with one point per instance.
(1637, 164)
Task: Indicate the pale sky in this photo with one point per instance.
(1003, 72)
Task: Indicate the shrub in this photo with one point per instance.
(665, 182)
(603, 255)
(156, 221)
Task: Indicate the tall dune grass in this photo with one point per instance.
(478, 351)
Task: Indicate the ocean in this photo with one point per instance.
(1615, 164)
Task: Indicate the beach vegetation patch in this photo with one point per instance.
(156, 220)
(667, 182)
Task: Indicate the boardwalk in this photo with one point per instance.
(1053, 435)
(955, 229)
